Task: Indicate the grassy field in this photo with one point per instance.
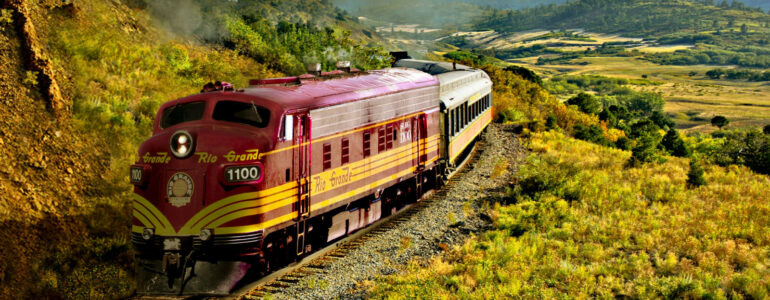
(692, 98)
(581, 224)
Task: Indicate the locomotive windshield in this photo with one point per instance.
(242, 112)
(181, 113)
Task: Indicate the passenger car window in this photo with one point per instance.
(183, 112)
(242, 112)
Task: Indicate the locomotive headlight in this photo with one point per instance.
(181, 144)
(147, 233)
(206, 234)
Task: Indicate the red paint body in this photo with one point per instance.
(277, 157)
(356, 143)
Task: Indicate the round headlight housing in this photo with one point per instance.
(181, 144)
(206, 234)
(147, 233)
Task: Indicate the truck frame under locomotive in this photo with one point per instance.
(242, 181)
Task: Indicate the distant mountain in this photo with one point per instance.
(355, 5)
(460, 12)
(642, 18)
(764, 4)
(427, 12)
(521, 4)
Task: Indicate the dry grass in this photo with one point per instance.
(597, 229)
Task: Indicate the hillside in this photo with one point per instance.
(80, 83)
(579, 223)
(427, 12)
(638, 18)
(612, 202)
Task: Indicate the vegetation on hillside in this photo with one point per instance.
(447, 14)
(630, 17)
(738, 74)
(635, 210)
(579, 223)
(721, 34)
(117, 62)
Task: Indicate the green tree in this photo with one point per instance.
(756, 151)
(643, 104)
(674, 144)
(695, 175)
(525, 73)
(662, 120)
(644, 127)
(719, 121)
(715, 73)
(587, 103)
(644, 151)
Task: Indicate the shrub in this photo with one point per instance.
(624, 143)
(509, 115)
(587, 103)
(766, 129)
(591, 133)
(550, 122)
(30, 79)
(6, 18)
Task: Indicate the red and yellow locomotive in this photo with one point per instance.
(237, 181)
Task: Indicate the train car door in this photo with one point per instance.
(302, 162)
(419, 148)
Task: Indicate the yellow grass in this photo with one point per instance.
(598, 229)
(662, 49)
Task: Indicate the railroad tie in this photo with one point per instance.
(289, 280)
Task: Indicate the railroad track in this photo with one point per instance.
(320, 260)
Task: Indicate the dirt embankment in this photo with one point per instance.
(47, 170)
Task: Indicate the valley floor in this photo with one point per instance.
(692, 98)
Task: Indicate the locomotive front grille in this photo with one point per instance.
(155, 241)
(232, 239)
(219, 240)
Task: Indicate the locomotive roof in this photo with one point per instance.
(430, 67)
(315, 93)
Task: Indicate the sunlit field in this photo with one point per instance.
(692, 98)
(579, 223)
